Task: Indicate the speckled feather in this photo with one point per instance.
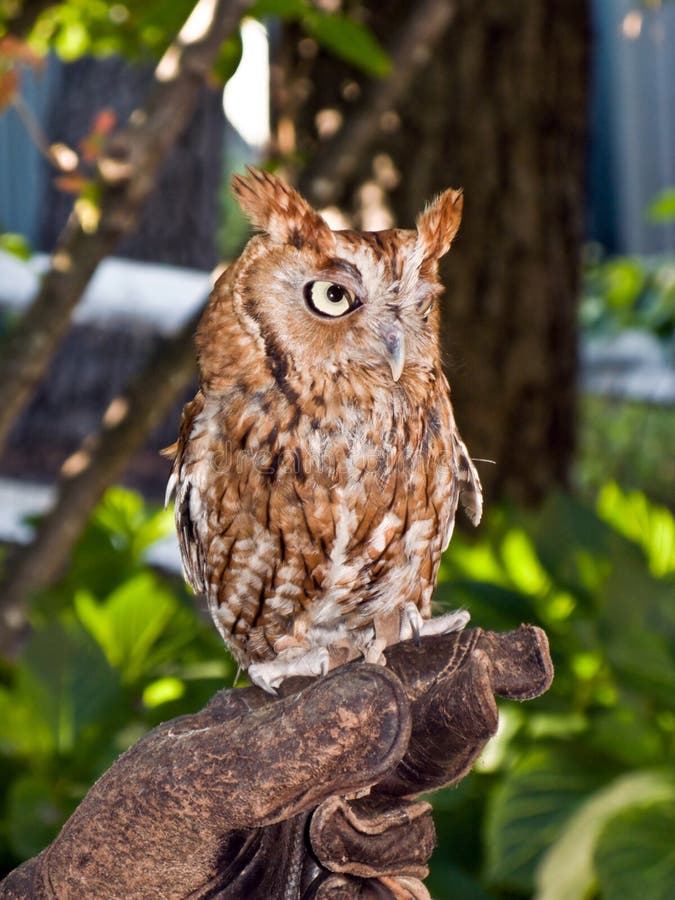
(315, 493)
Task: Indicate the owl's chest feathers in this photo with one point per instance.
(321, 436)
(331, 497)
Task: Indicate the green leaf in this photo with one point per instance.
(34, 815)
(624, 279)
(662, 207)
(23, 731)
(529, 809)
(281, 9)
(448, 882)
(496, 754)
(630, 442)
(635, 854)
(131, 526)
(636, 625)
(67, 680)
(458, 812)
(16, 244)
(567, 872)
(120, 512)
(342, 35)
(72, 41)
(129, 622)
(650, 526)
(349, 40)
(628, 735)
(475, 560)
(573, 544)
(155, 528)
(138, 30)
(521, 563)
(111, 550)
(164, 690)
(645, 660)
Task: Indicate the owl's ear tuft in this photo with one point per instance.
(279, 210)
(438, 224)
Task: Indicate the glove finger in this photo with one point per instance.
(370, 838)
(451, 681)
(521, 662)
(522, 667)
(451, 724)
(341, 734)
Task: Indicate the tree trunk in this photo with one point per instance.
(499, 109)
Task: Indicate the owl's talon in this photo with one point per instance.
(269, 675)
(414, 626)
(323, 662)
(457, 620)
(374, 652)
(412, 623)
(257, 676)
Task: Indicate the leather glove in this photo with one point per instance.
(304, 796)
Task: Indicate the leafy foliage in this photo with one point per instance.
(572, 797)
(662, 207)
(566, 775)
(115, 648)
(74, 28)
(629, 442)
(635, 853)
(568, 869)
(629, 292)
(16, 244)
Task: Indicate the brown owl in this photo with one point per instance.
(318, 469)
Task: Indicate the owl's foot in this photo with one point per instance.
(414, 626)
(269, 675)
(374, 652)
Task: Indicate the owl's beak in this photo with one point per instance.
(394, 341)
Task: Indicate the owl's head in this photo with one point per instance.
(360, 304)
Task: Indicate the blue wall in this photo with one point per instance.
(632, 123)
(22, 169)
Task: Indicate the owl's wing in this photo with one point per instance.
(464, 474)
(180, 481)
(456, 483)
(470, 490)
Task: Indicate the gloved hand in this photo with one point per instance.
(302, 796)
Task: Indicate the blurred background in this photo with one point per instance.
(120, 124)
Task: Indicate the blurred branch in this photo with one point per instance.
(324, 178)
(126, 176)
(35, 132)
(101, 459)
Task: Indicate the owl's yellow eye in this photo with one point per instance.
(326, 298)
